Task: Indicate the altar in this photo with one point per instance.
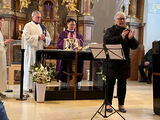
(92, 91)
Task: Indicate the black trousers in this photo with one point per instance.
(121, 90)
(143, 74)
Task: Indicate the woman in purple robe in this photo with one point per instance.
(69, 33)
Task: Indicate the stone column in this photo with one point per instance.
(133, 8)
(6, 4)
(140, 12)
(135, 21)
(85, 28)
(85, 21)
(6, 7)
(86, 7)
(140, 9)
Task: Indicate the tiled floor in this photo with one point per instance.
(139, 105)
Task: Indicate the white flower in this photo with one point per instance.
(48, 79)
(36, 68)
(42, 68)
(42, 74)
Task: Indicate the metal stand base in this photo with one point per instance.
(103, 106)
(23, 99)
(105, 112)
(9, 90)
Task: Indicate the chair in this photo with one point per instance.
(13, 67)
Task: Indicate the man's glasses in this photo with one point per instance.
(38, 17)
(121, 18)
(72, 24)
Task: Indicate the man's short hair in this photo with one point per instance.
(118, 13)
(35, 12)
(71, 20)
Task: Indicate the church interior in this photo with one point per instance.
(93, 18)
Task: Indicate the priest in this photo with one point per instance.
(36, 37)
(65, 65)
(3, 70)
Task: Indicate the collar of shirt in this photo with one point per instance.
(35, 22)
(70, 31)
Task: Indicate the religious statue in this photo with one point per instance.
(92, 4)
(48, 7)
(71, 5)
(24, 3)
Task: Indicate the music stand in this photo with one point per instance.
(112, 52)
(98, 51)
(115, 52)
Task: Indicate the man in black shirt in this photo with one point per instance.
(147, 63)
(118, 69)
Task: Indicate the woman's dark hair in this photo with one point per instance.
(71, 20)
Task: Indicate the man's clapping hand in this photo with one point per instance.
(42, 37)
(131, 34)
(146, 63)
(124, 33)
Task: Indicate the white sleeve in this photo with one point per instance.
(47, 39)
(30, 38)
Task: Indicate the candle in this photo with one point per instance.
(20, 28)
(22, 42)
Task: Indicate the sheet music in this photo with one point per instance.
(118, 46)
(98, 51)
(96, 45)
(115, 52)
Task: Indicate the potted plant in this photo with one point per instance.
(42, 74)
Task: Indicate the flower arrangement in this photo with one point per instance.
(43, 73)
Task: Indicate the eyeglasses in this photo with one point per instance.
(121, 18)
(72, 24)
(38, 17)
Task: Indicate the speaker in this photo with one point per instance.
(156, 76)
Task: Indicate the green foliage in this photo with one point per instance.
(101, 74)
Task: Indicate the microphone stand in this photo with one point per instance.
(22, 97)
(22, 73)
(105, 103)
